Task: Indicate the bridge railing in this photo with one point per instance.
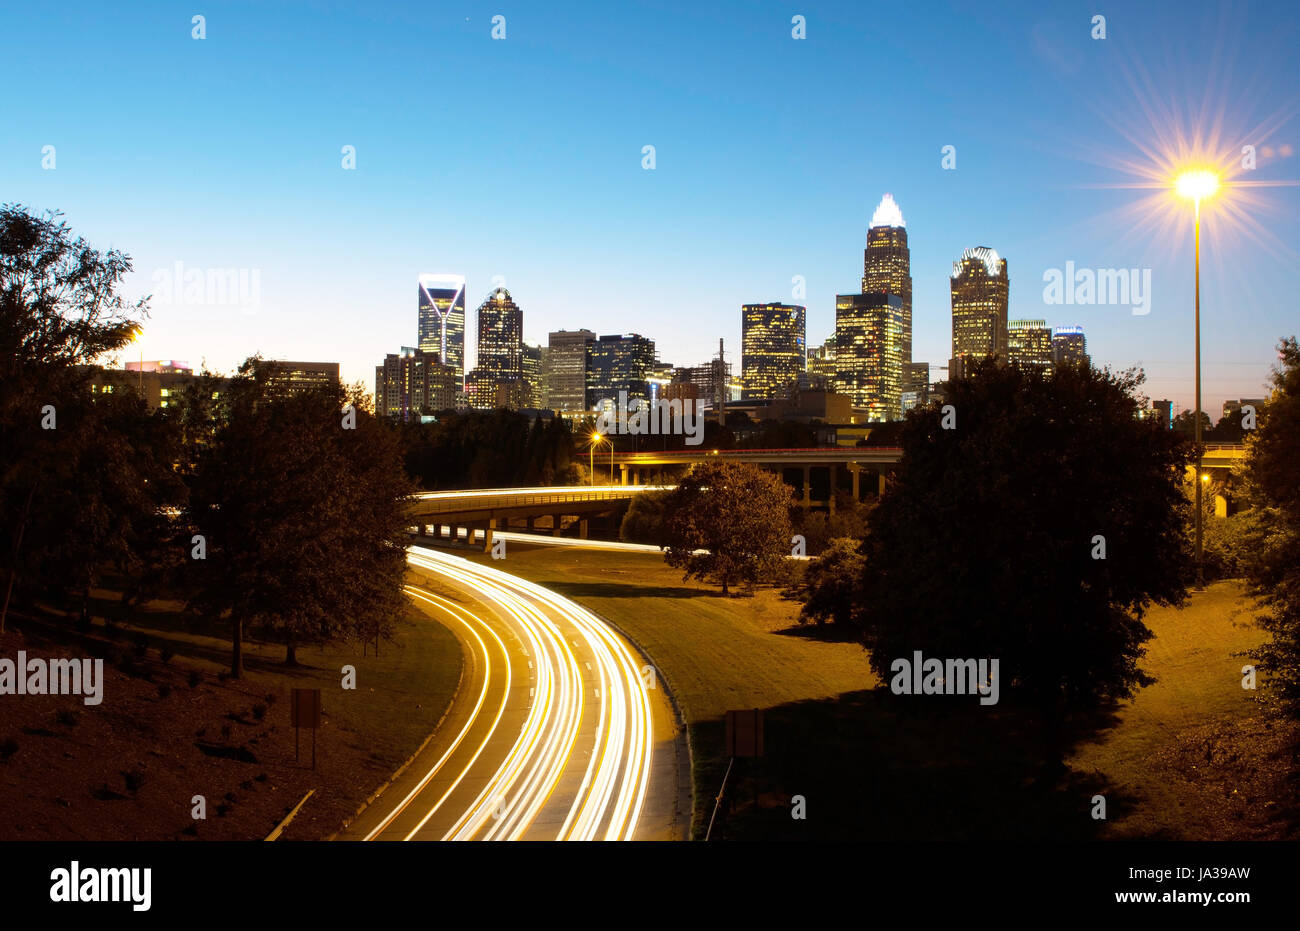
(725, 453)
(432, 502)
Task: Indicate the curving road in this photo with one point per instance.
(552, 734)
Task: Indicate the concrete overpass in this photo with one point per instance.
(493, 509)
(567, 507)
(857, 459)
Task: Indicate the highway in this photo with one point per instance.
(553, 730)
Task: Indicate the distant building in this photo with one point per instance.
(1069, 346)
(980, 293)
(442, 320)
(1163, 411)
(711, 381)
(160, 383)
(869, 352)
(1029, 344)
(916, 385)
(565, 371)
(289, 378)
(809, 406)
(773, 348)
(821, 366)
(1233, 407)
(413, 382)
(500, 353)
(619, 363)
(533, 375)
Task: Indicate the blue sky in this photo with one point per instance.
(522, 158)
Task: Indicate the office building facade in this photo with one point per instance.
(869, 352)
(887, 263)
(773, 349)
(1029, 344)
(619, 363)
(980, 291)
(566, 369)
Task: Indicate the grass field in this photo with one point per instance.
(1189, 758)
(153, 718)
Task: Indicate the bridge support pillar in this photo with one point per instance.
(557, 525)
(487, 534)
(582, 528)
(529, 524)
(451, 532)
(880, 483)
(855, 470)
(424, 528)
(622, 474)
(807, 487)
(830, 488)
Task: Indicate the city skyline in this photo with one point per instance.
(718, 223)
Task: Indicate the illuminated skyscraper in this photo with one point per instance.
(412, 383)
(980, 290)
(500, 358)
(887, 263)
(773, 350)
(869, 352)
(442, 320)
(619, 363)
(565, 370)
(1069, 345)
(1029, 343)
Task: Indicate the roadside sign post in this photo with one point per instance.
(304, 711)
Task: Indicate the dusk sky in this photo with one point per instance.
(522, 158)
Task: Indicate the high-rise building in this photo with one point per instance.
(413, 382)
(442, 319)
(887, 263)
(1164, 412)
(869, 352)
(566, 369)
(619, 363)
(980, 292)
(1029, 344)
(533, 374)
(773, 349)
(1069, 345)
(500, 350)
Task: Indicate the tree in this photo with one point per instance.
(302, 510)
(728, 522)
(829, 589)
(644, 520)
(66, 514)
(1273, 571)
(1185, 423)
(1036, 531)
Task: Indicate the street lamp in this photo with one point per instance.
(1197, 185)
(591, 458)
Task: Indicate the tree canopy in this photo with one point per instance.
(1037, 530)
(729, 523)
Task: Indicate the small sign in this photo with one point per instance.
(305, 708)
(745, 733)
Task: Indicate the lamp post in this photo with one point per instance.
(591, 458)
(1197, 185)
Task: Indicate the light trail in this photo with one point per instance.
(580, 757)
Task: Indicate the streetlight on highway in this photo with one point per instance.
(1196, 185)
(591, 466)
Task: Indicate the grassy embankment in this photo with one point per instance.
(1191, 757)
(172, 726)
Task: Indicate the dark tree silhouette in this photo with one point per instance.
(987, 542)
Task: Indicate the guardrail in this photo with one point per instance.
(432, 502)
